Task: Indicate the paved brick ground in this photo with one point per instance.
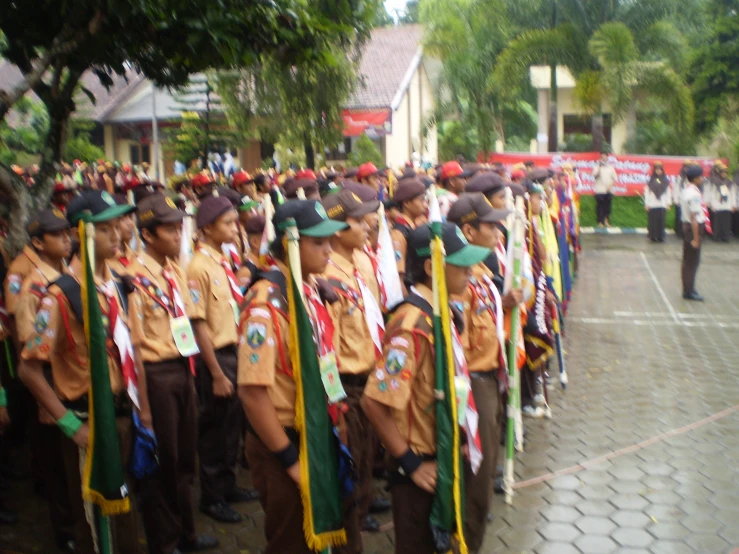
(641, 362)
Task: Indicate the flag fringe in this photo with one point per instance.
(443, 299)
(314, 541)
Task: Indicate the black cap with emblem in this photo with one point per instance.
(50, 220)
(94, 206)
(346, 204)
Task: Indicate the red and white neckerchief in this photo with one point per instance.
(706, 215)
(502, 256)
(374, 257)
(233, 284)
(471, 419)
(119, 332)
(369, 308)
(178, 304)
(230, 250)
(499, 321)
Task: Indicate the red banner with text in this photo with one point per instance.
(633, 170)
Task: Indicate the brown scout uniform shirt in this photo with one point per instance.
(19, 269)
(352, 340)
(34, 289)
(211, 296)
(149, 321)
(480, 337)
(264, 354)
(65, 346)
(406, 381)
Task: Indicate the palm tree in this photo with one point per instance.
(613, 49)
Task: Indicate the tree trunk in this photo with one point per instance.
(553, 115)
(18, 199)
(631, 121)
(597, 130)
(310, 154)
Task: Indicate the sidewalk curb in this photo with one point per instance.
(617, 231)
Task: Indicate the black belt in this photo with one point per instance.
(483, 374)
(354, 380)
(229, 349)
(121, 404)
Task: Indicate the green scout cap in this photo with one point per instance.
(459, 252)
(310, 218)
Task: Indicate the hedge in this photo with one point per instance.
(626, 211)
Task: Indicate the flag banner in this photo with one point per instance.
(633, 170)
(387, 265)
(103, 477)
(320, 486)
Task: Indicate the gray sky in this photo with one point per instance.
(392, 5)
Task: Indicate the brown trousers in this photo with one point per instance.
(361, 440)
(283, 507)
(478, 487)
(220, 428)
(411, 514)
(123, 528)
(166, 496)
(50, 440)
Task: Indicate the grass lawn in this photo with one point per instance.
(626, 211)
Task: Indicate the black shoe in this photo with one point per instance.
(498, 485)
(220, 511)
(693, 296)
(240, 494)
(371, 525)
(67, 546)
(201, 542)
(499, 470)
(8, 518)
(380, 505)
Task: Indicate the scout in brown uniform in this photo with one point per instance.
(266, 386)
(50, 239)
(410, 195)
(216, 298)
(59, 339)
(484, 346)
(164, 343)
(399, 398)
(19, 269)
(358, 330)
(126, 254)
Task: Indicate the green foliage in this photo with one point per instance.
(365, 150)
(515, 143)
(455, 140)
(78, 146)
(382, 18)
(714, 69)
(190, 139)
(23, 142)
(626, 211)
(657, 134)
(577, 142)
(723, 140)
(411, 13)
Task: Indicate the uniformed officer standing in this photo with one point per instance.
(358, 331)
(266, 385)
(216, 297)
(399, 398)
(164, 344)
(695, 223)
(59, 339)
(484, 348)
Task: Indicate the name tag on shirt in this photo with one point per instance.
(183, 336)
(330, 377)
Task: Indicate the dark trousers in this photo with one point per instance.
(528, 384)
(220, 428)
(679, 221)
(722, 225)
(656, 224)
(735, 223)
(478, 487)
(123, 528)
(360, 441)
(54, 474)
(691, 259)
(411, 514)
(603, 207)
(166, 496)
(280, 500)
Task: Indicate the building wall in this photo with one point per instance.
(406, 138)
(567, 105)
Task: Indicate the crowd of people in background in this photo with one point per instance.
(202, 325)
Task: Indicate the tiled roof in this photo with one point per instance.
(105, 99)
(386, 58)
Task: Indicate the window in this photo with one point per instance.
(582, 124)
(139, 153)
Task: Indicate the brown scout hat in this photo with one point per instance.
(211, 208)
(407, 189)
(472, 207)
(346, 203)
(49, 220)
(158, 209)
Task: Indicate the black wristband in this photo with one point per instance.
(409, 462)
(288, 456)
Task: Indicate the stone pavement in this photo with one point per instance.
(641, 363)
